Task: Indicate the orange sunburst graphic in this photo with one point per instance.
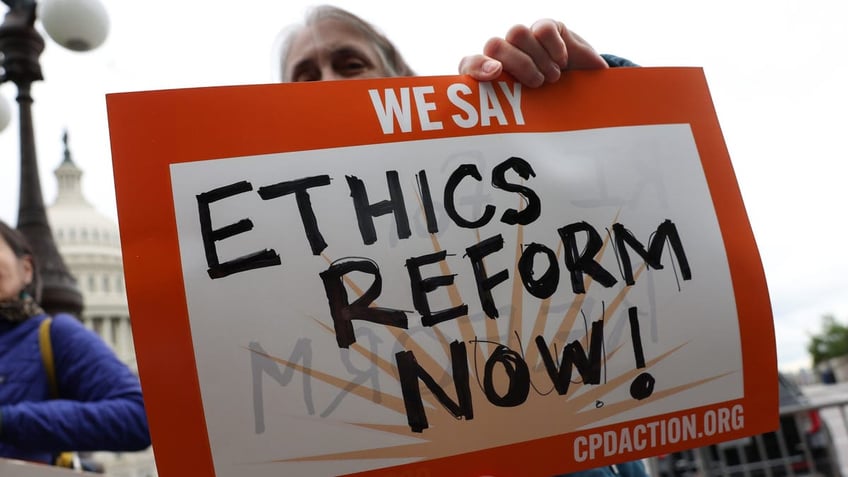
(579, 407)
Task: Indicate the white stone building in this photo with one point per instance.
(90, 245)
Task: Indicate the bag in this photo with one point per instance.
(70, 460)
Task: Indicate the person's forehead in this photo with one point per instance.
(326, 35)
(6, 249)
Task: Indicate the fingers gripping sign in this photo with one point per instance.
(533, 55)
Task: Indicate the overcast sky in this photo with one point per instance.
(774, 68)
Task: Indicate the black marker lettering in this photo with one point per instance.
(427, 202)
(643, 386)
(573, 355)
(476, 253)
(421, 286)
(653, 256)
(547, 284)
(410, 372)
(263, 258)
(304, 205)
(343, 312)
(518, 375)
(579, 262)
(534, 206)
(450, 191)
(366, 212)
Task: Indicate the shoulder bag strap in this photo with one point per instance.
(47, 356)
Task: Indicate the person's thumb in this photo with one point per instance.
(481, 68)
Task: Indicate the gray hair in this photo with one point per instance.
(392, 61)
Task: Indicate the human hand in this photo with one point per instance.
(533, 56)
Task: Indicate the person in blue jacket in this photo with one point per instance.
(334, 44)
(99, 405)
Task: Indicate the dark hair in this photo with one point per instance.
(21, 248)
(393, 62)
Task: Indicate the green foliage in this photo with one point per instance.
(830, 343)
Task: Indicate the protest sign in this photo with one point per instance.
(437, 277)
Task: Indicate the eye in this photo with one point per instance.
(351, 65)
(306, 73)
(302, 78)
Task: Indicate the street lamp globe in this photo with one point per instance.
(78, 25)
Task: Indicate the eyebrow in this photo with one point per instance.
(346, 50)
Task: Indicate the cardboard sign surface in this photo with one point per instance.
(434, 277)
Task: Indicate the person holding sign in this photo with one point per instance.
(333, 44)
(97, 402)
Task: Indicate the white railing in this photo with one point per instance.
(823, 453)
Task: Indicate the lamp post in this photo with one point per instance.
(20, 46)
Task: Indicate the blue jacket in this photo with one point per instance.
(617, 61)
(100, 405)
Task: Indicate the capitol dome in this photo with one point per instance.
(90, 245)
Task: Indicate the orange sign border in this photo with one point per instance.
(152, 130)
